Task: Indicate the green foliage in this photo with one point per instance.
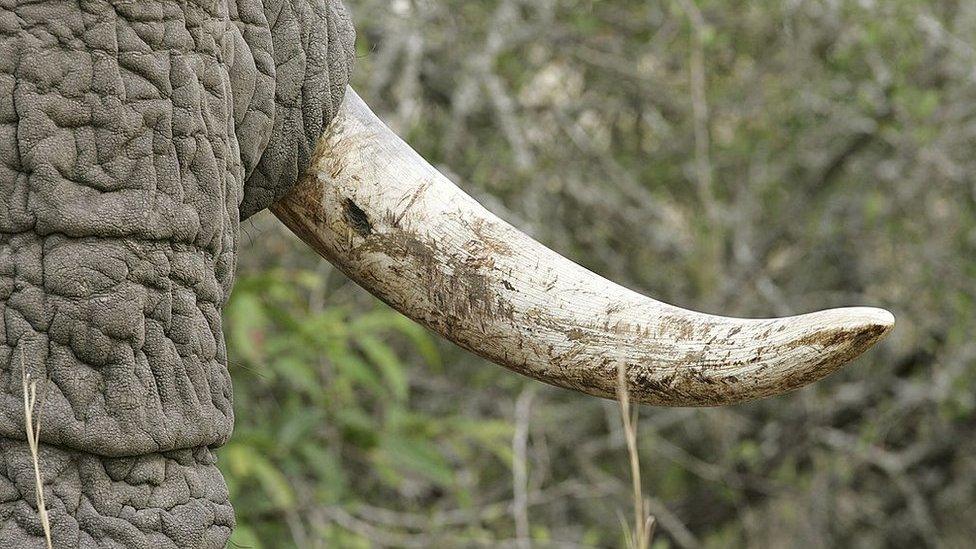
(324, 409)
(839, 137)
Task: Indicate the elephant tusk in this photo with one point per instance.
(378, 211)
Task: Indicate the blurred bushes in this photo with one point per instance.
(325, 412)
(749, 158)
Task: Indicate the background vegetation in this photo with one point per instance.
(746, 157)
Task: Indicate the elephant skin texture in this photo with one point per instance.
(134, 138)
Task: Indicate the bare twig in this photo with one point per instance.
(699, 104)
(565, 491)
(501, 100)
(895, 466)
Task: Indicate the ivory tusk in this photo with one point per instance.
(384, 216)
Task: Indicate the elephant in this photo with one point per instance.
(136, 136)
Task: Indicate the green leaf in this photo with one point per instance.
(357, 427)
(244, 538)
(355, 369)
(298, 425)
(492, 435)
(416, 456)
(328, 469)
(248, 323)
(274, 483)
(383, 357)
(237, 459)
(422, 341)
(299, 373)
(387, 319)
(243, 462)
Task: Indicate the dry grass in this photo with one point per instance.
(33, 441)
(643, 530)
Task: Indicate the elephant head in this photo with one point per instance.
(135, 137)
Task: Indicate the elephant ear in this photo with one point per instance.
(312, 48)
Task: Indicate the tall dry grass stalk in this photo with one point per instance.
(643, 530)
(33, 441)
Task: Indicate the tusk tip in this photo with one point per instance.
(869, 324)
(829, 340)
(810, 347)
(843, 335)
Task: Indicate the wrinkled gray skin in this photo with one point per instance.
(135, 135)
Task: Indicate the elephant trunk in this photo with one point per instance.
(134, 137)
(169, 500)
